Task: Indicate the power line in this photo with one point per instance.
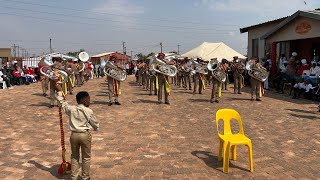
(104, 20)
(142, 29)
(113, 14)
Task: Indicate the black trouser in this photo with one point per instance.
(297, 92)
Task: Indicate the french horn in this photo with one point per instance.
(114, 71)
(257, 71)
(217, 73)
(54, 74)
(161, 67)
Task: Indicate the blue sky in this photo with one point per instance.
(100, 26)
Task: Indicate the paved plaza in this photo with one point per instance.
(143, 140)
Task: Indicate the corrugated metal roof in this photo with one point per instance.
(102, 54)
(245, 29)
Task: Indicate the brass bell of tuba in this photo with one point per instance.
(214, 67)
(51, 73)
(113, 71)
(199, 68)
(257, 71)
(161, 67)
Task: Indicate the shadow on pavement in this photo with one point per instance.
(199, 100)
(145, 101)
(305, 116)
(302, 111)
(100, 102)
(212, 160)
(37, 94)
(53, 170)
(41, 104)
(240, 99)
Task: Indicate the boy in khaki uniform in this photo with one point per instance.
(81, 121)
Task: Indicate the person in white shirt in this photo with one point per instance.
(282, 60)
(314, 70)
(308, 90)
(299, 88)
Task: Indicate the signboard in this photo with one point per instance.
(303, 27)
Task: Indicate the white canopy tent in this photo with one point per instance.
(207, 51)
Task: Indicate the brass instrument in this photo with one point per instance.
(214, 67)
(199, 68)
(51, 73)
(161, 67)
(84, 57)
(113, 71)
(257, 71)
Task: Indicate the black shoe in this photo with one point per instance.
(110, 103)
(258, 99)
(44, 94)
(211, 101)
(167, 103)
(251, 99)
(117, 103)
(71, 93)
(217, 101)
(150, 94)
(200, 93)
(155, 94)
(190, 89)
(239, 93)
(225, 89)
(159, 102)
(51, 106)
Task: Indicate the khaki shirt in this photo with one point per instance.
(81, 118)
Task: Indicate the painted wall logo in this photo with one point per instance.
(303, 27)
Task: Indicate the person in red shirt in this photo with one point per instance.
(17, 76)
(304, 66)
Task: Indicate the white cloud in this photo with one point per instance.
(122, 9)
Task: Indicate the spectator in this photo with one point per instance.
(280, 78)
(4, 78)
(299, 88)
(314, 70)
(308, 90)
(17, 76)
(303, 67)
(282, 60)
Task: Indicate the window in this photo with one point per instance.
(255, 47)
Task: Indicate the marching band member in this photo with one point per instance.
(256, 86)
(113, 86)
(57, 64)
(187, 73)
(224, 67)
(216, 88)
(70, 68)
(163, 82)
(152, 83)
(44, 79)
(77, 73)
(237, 75)
(180, 75)
(198, 80)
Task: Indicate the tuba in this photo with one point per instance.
(214, 67)
(199, 68)
(51, 73)
(161, 67)
(113, 71)
(84, 57)
(257, 71)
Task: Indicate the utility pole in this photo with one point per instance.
(124, 50)
(14, 52)
(161, 47)
(50, 46)
(178, 48)
(18, 51)
(131, 55)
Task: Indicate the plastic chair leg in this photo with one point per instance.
(226, 158)
(221, 148)
(234, 152)
(250, 156)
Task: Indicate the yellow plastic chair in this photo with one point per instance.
(228, 140)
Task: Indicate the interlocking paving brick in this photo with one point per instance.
(143, 140)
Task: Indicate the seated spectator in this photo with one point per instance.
(30, 74)
(303, 67)
(308, 90)
(17, 76)
(4, 78)
(316, 91)
(8, 74)
(314, 70)
(299, 88)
